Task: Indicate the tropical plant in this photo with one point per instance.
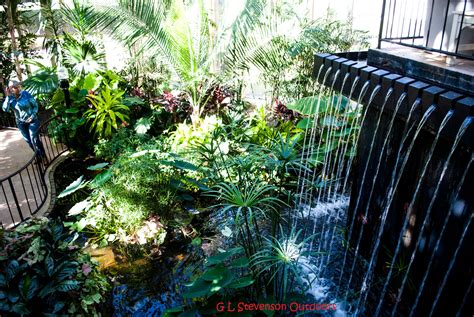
(186, 136)
(52, 24)
(81, 17)
(225, 276)
(288, 72)
(81, 53)
(284, 262)
(44, 272)
(188, 44)
(122, 142)
(284, 154)
(82, 57)
(11, 19)
(43, 82)
(108, 109)
(138, 187)
(247, 204)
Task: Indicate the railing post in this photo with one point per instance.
(381, 24)
(15, 198)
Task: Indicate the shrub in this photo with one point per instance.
(137, 187)
(43, 271)
(125, 140)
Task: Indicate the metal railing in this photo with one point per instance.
(24, 192)
(7, 120)
(442, 26)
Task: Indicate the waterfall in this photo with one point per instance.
(368, 212)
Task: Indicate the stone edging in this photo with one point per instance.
(50, 185)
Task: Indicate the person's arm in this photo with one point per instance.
(7, 101)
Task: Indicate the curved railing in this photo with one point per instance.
(24, 192)
(7, 119)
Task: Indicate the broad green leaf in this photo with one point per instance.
(181, 165)
(221, 257)
(240, 262)
(98, 166)
(58, 306)
(331, 121)
(20, 309)
(132, 101)
(13, 297)
(345, 132)
(76, 185)
(67, 286)
(199, 184)
(28, 287)
(326, 148)
(199, 288)
(305, 123)
(215, 274)
(49, 264)
(102, 178)
(91, 81)
(12, 269)
(186, 197)
(242, 282)
(79, 207)
(222, 283)
(72, 110)
(308, 105)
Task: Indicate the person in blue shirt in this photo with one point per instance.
(25, 108)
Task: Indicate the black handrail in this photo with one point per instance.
(24, 192)
(414, 23)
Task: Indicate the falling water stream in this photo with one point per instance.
(420, 181)
(438, 242)
(390, 195)
(323, 200)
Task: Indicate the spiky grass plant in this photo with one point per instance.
(248, 205)
(279, 262)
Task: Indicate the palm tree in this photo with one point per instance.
(191, 44)
(52, 24)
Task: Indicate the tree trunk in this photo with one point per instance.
(11, 29)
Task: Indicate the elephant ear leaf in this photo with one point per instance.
(309, 105)
(76, 185)
(242, 282)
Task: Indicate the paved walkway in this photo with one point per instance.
(14, 152)
(23, 193)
